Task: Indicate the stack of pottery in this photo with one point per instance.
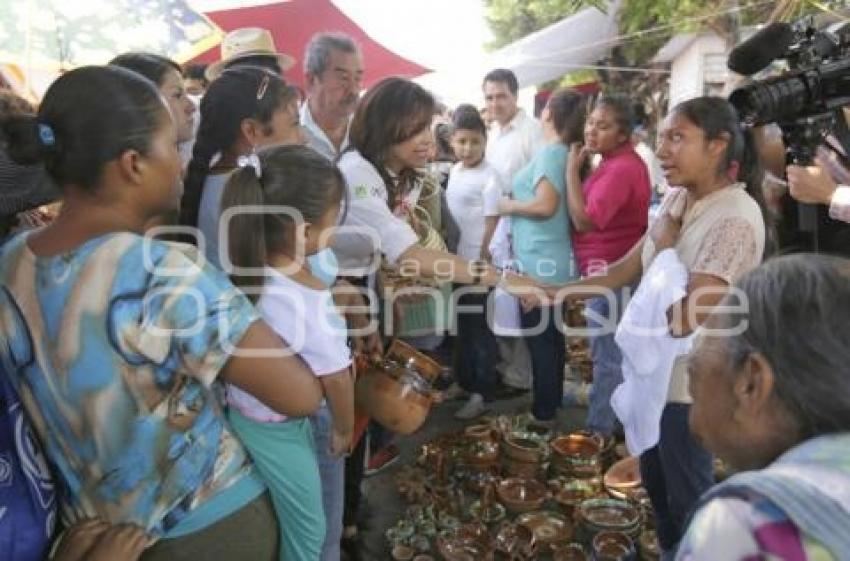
(607, 515)
(576, 455)
(523, 456)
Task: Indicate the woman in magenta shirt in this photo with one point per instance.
(609, 212)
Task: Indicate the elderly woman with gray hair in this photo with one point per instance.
(769, 378)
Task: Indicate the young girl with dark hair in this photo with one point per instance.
(116, 342)
(540, 237)
(473, 194)
(166, 75)
(610, 212)
(714, 220)
(243, 110)
(301, 191)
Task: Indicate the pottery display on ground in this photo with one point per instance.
(497, 491)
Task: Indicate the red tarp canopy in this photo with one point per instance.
(294, 22)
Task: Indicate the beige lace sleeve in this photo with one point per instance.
(728, 250)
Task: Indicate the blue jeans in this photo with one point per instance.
(607, 360)
(548, 355)
(676, 472)
(331, 472)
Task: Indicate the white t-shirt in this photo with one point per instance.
(511, 147)
(472, 195)
(370, 227)
(209, 213)
(312, 327)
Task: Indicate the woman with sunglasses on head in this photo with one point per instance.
(390, 144)
(244, 109)
(117, 344)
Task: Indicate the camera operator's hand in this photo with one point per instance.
(811, 184)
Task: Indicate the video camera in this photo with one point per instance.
(806, 101)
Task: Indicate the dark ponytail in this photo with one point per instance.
(568, 110)
(88, 117)
(238, 94)
(295, 177)
(718, 119)
(247, 246)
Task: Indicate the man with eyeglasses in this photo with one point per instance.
(333, 67)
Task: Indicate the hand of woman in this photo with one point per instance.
(665, 231)
(577, 157)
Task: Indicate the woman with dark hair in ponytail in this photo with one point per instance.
(711, 228)
(244, 109)
(118, 343)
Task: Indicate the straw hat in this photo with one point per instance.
(247, 42)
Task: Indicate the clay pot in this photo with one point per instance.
(576, 455)
(523, 449)
(481, 432)
(569, 495)
(549, 528)
(613, 546)
(623, 478)
(521, 495)
(402, 353)
(515, 541)
(607, 515)
(393, 398)
(423, 557)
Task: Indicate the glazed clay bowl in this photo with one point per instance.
(613, 546)
(514, 468)
(609, 515)
(571, 494)
(623, 478)
(522, 449)
(519, 494)
(546, 526)
(576, 445)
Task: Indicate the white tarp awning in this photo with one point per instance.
(577, 41)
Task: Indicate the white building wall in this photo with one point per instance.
(688, 72)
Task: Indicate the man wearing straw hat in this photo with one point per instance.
(249, 46)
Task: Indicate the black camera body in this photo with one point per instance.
(805, 102)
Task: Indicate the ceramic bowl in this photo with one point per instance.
(548, 527)
(519, 494)
(522, 449)
(623, 478)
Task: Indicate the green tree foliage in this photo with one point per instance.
(514, 19)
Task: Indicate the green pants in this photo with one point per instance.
(285, 456)
(249, 534)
